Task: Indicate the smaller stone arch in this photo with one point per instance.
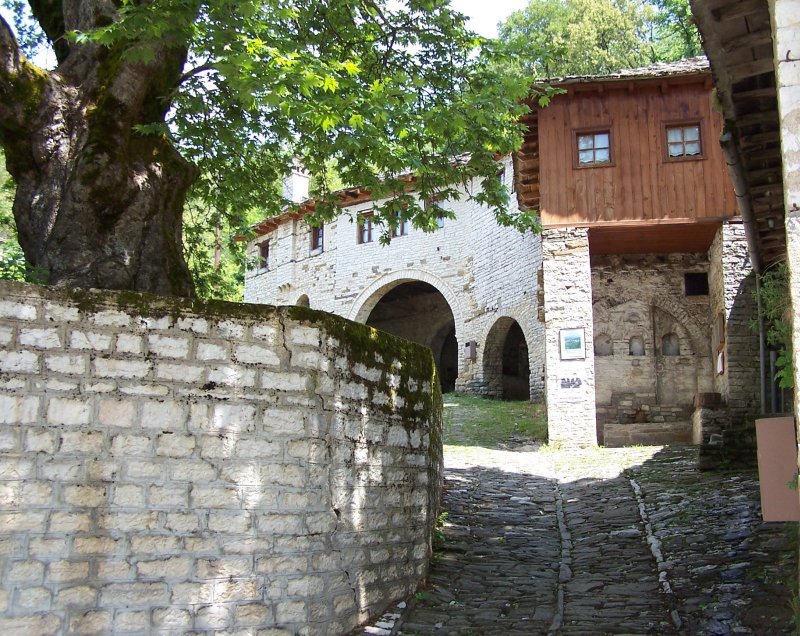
(506, 360)
(636, 346)
(670, 344)
(303, 301)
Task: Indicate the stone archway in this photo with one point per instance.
(416, 310)
(506, 362)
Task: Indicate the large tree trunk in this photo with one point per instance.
(97, 204)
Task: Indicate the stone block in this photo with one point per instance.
(212, 351)
(163, 414)
(188, 373)
(284, 381)
(90, 340)
(40, 338)
(225, 567)
(17, 310)
(175, 445)
(68, 522)
(167, 346)
(111, 318)
(78, 595)
(66, 363)
(137, 621)
(123, 369)
(19, 361)
(133, 594)
(308, 336)
(19, 409)
(81, 442)
(213, 617)
(255, 354)
(83, 496)
(129, 343)
(67, 571)
(172, 617)
(173, 568)
(192, 324)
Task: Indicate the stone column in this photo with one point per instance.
(569, 383)
(733, 286)
(786, 32)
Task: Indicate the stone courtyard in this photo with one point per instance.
(604, 541)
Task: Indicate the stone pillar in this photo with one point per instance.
(569, 383)
(786, 32)
(732, 283)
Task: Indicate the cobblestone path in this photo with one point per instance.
(622, 541)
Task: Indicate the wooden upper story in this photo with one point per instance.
(639, 148)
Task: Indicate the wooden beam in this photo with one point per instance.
(760, 117)
(755, 93)
(742, 9)
(740, 72)
(746, 41)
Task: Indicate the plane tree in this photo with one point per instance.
(149, 98)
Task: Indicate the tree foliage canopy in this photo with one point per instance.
(555, 38)
(239, 87)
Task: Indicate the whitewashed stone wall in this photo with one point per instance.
(570, 384)
(485, 272)
(786, 32)
(173, 467)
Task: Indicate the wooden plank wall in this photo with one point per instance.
(641, 185)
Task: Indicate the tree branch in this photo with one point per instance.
(50, 16)
(21, 86)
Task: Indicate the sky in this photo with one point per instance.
(485, 14)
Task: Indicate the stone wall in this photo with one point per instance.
(170, 466)
(786, 33)
(568, 305)
(732, 283)
(485, 272)
(652, 352)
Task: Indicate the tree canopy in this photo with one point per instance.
(150, 97)
(555, 38)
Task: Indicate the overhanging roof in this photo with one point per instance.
(737, 37)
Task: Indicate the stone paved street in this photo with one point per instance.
(609, 541)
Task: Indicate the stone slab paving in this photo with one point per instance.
(603, 541)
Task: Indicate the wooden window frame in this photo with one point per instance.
(594, 130)
(317, 238)
(402, 228)
(263, 256)
(682, 123)
(364, 220)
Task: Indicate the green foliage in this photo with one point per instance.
(776, 306)
(556, 38)
(475, 421)
(676, 35)
(379, 88)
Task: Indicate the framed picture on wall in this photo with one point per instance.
(573, 346)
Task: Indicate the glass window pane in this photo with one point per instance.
(693, 148)
(585, 142)
(676, 150)
(691, 133)
(674, 134)
(586, 156)
(601, 140)
(602, 155)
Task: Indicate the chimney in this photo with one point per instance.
(295, 184)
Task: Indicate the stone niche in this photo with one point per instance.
(173, 466)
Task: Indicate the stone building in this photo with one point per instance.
(629, 314)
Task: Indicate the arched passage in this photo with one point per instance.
(417, 311)
(506, 365)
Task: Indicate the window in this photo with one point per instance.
(402, 226)
(696, 284)
(263, 256)
(593, 148)
(364, 228)
(317, 237)
(670, 345)
(434, 201)
(501, 176)
(684, 141)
